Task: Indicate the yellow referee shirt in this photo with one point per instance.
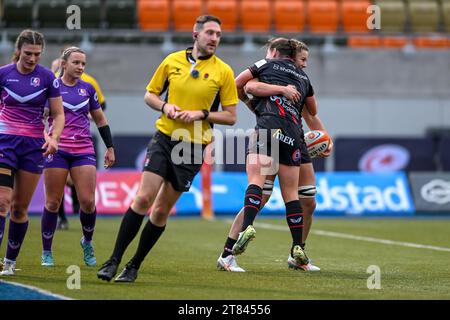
(214, 84)
(90, 79)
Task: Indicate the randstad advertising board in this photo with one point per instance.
(342, 193)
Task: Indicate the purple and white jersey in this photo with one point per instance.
(22, 100)
(78, 101)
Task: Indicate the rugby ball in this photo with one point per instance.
(316, 142)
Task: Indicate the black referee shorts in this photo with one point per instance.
(176, 161)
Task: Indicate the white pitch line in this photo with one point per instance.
(353, 237)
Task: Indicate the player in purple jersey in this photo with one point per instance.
(75, 155)
(25, 87)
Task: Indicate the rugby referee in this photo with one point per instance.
(194, 82)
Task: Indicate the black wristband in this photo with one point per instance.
(105, 133)
(162, 108)
(205, 114)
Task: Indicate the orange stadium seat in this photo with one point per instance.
(255, 15)
(226, 10)
(289, 15)
(148, 19)
(432, 42)
(184, 13)
(323, 15)
(394, 42)
(364, 41)
(354, 15)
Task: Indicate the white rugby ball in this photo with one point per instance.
(317, 142)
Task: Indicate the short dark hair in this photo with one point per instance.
(201, 20)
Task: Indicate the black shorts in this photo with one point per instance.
(176, 161)
(306, 158)
(279, 139)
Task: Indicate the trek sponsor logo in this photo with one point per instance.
(436, 191)
(356, 195)
(283, 138)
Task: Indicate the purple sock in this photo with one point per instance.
(16, 234)
(48, 226)
(88, 224)
(2, 228)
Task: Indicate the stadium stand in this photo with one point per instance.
(436, 42)
(364, 41)
(226, 10)
(255, 15)
(184, 12)
(323, 16)
(424, 15)
(52, 13)
(91, 12)
(354, 15)
(121, 14)
(148, 21)
(393, 17)
(243, 21)
(17, 13)
(289, 15)
(446, 15)
(394, 42)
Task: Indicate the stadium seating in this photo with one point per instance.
(394, 42)
(446, 15)
(323, 16)
(437, 42)
(121, 14)
(184, 13)
(90, 12)
(393, 17)
(148, 20)
(364, 41)
(17, 13)
(424, 15)
(226, 10)
(255, 15)
(354, 15)
(52, 13)
(289, 15)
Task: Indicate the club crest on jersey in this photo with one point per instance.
(82, 92)
(35, 82)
